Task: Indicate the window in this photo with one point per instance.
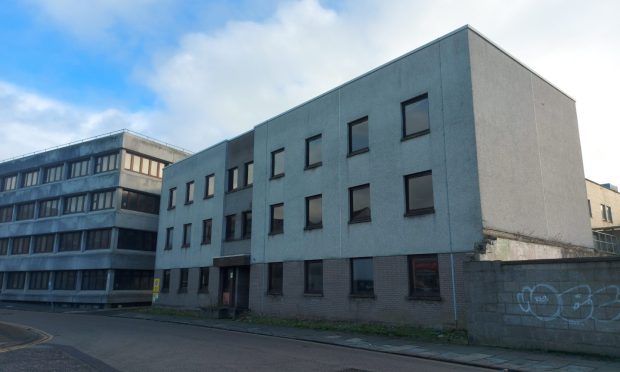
(53, 174)
(75, 204)
(416, 121)
(233, 179)
(30, 178)
(247, 224)
(94, 280)
(424, 276)
(6, 213)
(172, 198)
(165, 281)
(140, 202)
(70, 241)
(98, 239)
(146, 166)
(362, 282)
(137, 240)
(603, 212)
(231, 221)
(43, 243)
(21, 245)
(314, 212)
(203, 282)
(358, 136)
(277, 219)
(206, 231)
(189, 192)
(16, 280)
(313, 277)
(209, 186)
(4, 247)
(133, 280)
(48, 208)
(39, 280)
(359, 203)
(78, 168)
(25, 211)
(65, 280)
(589, 208)
(277, 163)
(183, 279)
(275, 278)
(313, 152)
(102, 200)
(187, 235)
(106, 163)
(9, 183)
(419, 193)
(169, 237)
(609, 216)
(249, 173)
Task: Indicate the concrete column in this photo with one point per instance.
(114, 239)
(83, 241)
(78, 279)
(110, 283)
(56, 243)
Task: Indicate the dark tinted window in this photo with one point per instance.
(275, 277)
(133, 279)
(183, 280)
(424, 276)
(187, 235)
(419, 193)
(231, 221)
(137, 240)
(247, 224)
(6, 213)
(277, 163)
(48, 208)
(39, 280)
(359, 203)
(65, 280)
(277, 219)
(43, 243)
(313, 151)
(203, 281)
(70, 241)
(189, 192)
(140, 202)
(362, 278)
(358, 136)
(415, 116)
(25, 211)
(206, 231)
(94, 280)
(169, 237)
(314, 276)
(233, 179)
(21, 245)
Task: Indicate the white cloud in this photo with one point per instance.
(31, 122)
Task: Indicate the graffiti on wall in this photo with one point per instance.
(575, 305)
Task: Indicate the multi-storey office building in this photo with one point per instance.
(78, 224)
(366, 200)
(603, 200)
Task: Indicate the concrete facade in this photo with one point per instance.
(490, 153)
(570, 305)
(93, 243)
(603, 201)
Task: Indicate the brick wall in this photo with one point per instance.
(566, 305)
(192, 298)
(391, 303)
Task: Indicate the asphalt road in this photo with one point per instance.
(83, 342)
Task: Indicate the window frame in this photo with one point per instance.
(230, 228)
(172, 198)
(202, 286)
(165, 281)
(169, 242)
(307, 291)
(22, 208)
(76, 236)
(57, 172)
(209, 193)
(403, 108)
(308, 225)
(309, 140)
(183, 280)
(418, 211)
(411, 260)
(246, 229)
(352, 190)
(190, 188)
(247, 166)
(350, 126)
(274, 154)
(30, 178)
(207, 231)
(233, 179)
(102, 163)
(271, 290)
(187, 235)
(272, 230)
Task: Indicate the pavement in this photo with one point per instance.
(14, 337)
(476, 356)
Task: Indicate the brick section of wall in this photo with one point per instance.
(192, 298)
(565, 305)
(391, 303)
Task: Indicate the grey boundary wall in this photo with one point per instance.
(570, 305)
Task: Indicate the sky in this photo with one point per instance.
(195, 72)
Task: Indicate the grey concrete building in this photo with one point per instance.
(78, 224)
(367, 199)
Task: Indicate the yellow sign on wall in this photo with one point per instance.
(156, 285)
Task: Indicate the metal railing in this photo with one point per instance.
(96, 137)
(606, 242)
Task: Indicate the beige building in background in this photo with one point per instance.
(603, 203)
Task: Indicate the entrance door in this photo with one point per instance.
(228, 286)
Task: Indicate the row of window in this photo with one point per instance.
(91, 280)
(423, 277)
(203, 280)
(606, 214)
(128, 239)
(99, 200)
(418, 200)
(80, 168)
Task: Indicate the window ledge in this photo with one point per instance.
(189, 202)
(359, 220)
(274, 294)
(415, 135)
(182, 290)
(185, 246)
(313, 227)
(363, 296)
(209, 197)
(205, 243)
(171, 208)
(271, 233)
(357, 152)
(275, 177)
(203, 291)
(167, 248)
(166, 291)
(312, 166)
(420, 212)
(306, 294)
(423, 298)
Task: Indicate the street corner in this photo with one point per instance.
(16, 336)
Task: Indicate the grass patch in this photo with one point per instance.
(414, 333)
(168, 311)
